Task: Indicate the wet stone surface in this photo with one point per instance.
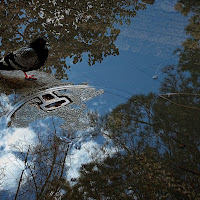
(47, 97)
(15, 81)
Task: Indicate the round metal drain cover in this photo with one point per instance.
(64, 101)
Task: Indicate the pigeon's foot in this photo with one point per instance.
(29, 77)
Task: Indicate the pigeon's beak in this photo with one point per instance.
(47, 43)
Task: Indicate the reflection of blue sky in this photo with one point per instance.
(145, 46)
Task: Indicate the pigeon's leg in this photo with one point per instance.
(29, 77)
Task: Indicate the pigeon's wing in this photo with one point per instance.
(25, 59)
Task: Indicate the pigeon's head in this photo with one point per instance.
(38, 44)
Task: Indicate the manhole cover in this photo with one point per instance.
(51, 101)
(64, 101)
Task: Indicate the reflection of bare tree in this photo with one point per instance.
(44, 168)
(73, 27)
(1, 175)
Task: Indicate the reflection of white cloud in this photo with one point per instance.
(12, 168)
(17, 139)
(5, 104)
(20, 137)
(83, 156)
(80, 157)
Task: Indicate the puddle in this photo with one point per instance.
(115, 108)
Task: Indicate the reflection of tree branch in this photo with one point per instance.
(143, 122)
(62, 170)
(34, 181)
(118, 141)
(188, 170)
(190, 107)
(50, 173)
(28, 166)
(19, 33)
(180, 93)
(20, 180)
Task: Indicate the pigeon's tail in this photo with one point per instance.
(5, 66)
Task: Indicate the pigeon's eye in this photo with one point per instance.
(41, 42)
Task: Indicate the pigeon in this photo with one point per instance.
(27, 58)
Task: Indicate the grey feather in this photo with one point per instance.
(27, 58)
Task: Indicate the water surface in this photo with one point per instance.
(114, 113)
